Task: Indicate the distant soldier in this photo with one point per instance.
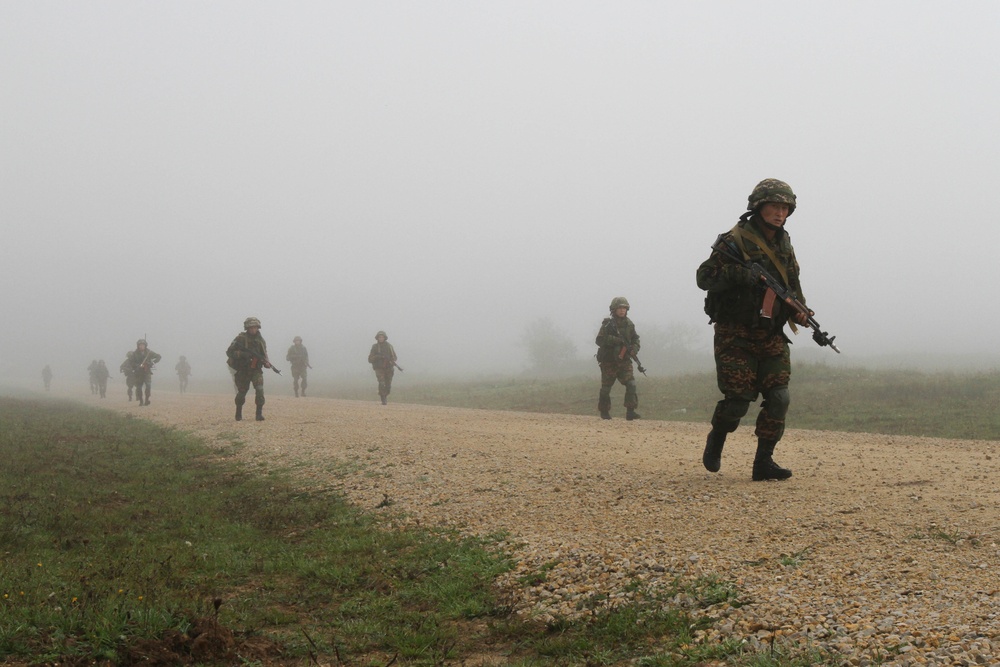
(617, 343)
(247, 355)
(101, 374)
(141, 361)
(126, 370)
(298, 355)
(92, 372)
(383, 360)
(47, 377)
(183, 369)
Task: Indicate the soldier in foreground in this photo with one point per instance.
(247, 355)
(617, 344)
(382, 357)
(101, 374)
(298, 356)
(140, 363)
(183, 369)
(47, 377)
(751, 348)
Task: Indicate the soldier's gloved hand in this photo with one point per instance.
(267, 364)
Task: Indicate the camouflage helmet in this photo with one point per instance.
(141, 341)
(251, 322)
(297, 339)
(619, 302)
(381, 333)
(771, 190)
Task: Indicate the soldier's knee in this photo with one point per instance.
(777, 400)
(733, 409)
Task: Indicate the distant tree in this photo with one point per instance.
(550, 350)
(678, 348)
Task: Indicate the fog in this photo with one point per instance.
(451, 172)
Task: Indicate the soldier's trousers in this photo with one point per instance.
(384, 377)
(299, 375)
(243, 379)
(620, 371)
(749, 363)
(141, 380)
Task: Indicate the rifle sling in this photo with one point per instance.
(738, 235)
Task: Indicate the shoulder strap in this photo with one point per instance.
(739, 234)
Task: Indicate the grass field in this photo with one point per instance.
(895, 402)
(126, 543)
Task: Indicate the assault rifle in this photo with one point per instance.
(259, 357)
(729, 250)
(626, 348)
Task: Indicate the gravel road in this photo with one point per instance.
(879, 548)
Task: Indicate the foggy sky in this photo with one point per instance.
(452, 171)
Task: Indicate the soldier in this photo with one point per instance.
(47, 376)
(617, 343)
(126, 369)
(751, 348)
(92, 372)
(183, 369)
(102, 374)
(247, 355)
(383, 360)
(298, 355)
(140, 364)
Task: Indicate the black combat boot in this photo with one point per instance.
(712, 458)
(631, 414)
(605, 414)
(239, 413)
(260, 413)
(764, 467)
(385, 400)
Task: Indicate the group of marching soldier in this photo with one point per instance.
(753, 290)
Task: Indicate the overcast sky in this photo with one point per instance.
(452, 171)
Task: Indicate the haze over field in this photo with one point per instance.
(452, 172)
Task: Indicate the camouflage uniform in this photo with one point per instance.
(617, 342)
(751, 350)
(140, 365)
(102, 374)
(249, 370)
(47, 377)
(183, 369)
(298, 356)
(92, 372)
(382, 357)
(126, 369)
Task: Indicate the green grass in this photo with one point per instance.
(124, 542)
(893, 402)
